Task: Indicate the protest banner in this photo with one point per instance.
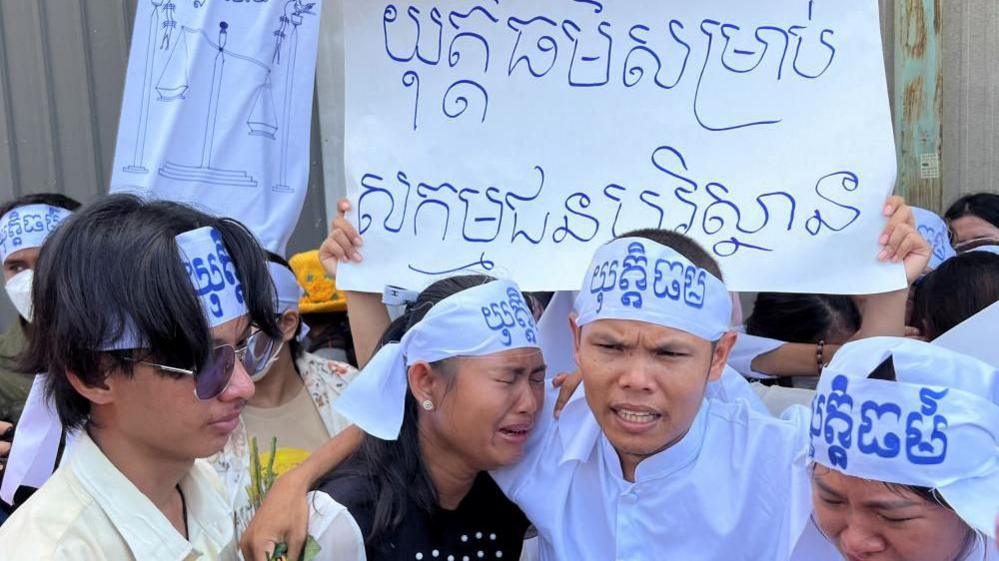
(218, 106)
(512, 137)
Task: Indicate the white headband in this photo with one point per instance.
(288, 293)
(27, 227)
(994, 249)
(476, 322)
(937, 426)
(641, 280)
(213, 276)
(286, 286)
(934, 231)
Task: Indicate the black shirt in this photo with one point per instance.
(486, 525)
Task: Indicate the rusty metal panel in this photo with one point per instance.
(919, 101)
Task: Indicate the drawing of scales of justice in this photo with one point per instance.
(174, 85)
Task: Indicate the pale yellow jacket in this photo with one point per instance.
(89, 511)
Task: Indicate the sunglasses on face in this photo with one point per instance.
(214, 376)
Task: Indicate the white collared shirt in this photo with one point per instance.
(88, 510)
(727, 491)
(731, 386)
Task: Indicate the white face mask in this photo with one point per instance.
(269, 366)
(19, 291)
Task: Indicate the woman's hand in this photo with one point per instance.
(884, 314)
(567, 384)
(342, 244)
(901, 242)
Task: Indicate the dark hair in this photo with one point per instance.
(294, 346)
(802, 318)
(977, 243)
(51, 199)
(981, 205)
(115, 266)
(959, 288)
(394, 469)
(329, 330)
(683, 245)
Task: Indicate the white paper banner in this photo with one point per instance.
(975, 336)
(218, 106)
(513, 136)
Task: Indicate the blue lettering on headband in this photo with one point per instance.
(834, 417)
(213, 274)
(677, 280)
(28, 226)
(508, 314)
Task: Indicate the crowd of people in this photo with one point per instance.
(162, 356)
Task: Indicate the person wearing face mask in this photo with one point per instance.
(293, 401)
(25, 223)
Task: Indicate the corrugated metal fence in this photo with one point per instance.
(62, 69)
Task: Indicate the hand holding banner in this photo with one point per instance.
(511, 138)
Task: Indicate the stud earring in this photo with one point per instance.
(428, 405)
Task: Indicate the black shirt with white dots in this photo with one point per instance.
(485, 526)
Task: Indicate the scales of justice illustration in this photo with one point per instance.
(174, 86)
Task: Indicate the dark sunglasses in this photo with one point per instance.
(214, 376)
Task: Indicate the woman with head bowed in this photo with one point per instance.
(905, 455)
(453, 391)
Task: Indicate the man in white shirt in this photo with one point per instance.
(643, 466)
(143, 312)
